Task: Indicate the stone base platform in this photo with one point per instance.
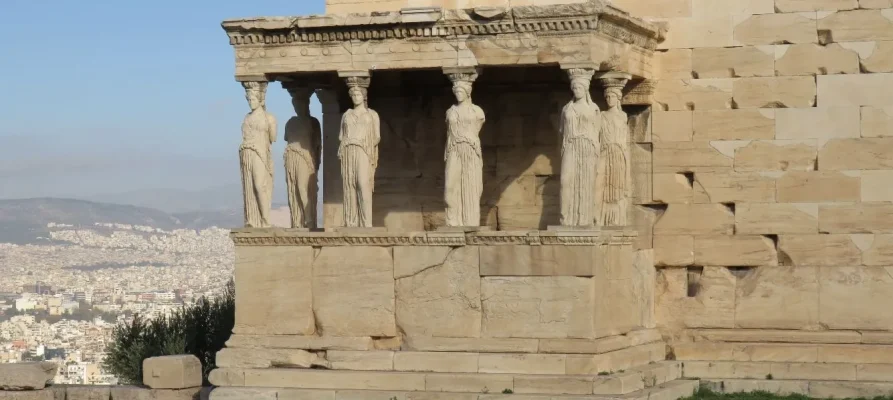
(819, 389)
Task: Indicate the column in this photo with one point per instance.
(331, 167)
(358, 151)
(614, 191)
(258, 134)
(463, 182)
(580, 127)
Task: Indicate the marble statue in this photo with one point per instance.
(358, 151)
(580, 125)
(258, 134)
(464, 163)
(615, 188)
(302, 153)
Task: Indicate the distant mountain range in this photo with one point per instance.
(25, 221)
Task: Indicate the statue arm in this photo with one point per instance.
(376, 126)
(271, 122)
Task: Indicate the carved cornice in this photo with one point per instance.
(286, 237)
(593, 16)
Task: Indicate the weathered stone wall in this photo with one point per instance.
(772, 162)
(349, 6)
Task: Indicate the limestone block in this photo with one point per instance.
(179, 394)
(733, 187)
(733, 62)
(880, 252)
(661, 9)
(645, 278)
(472, 383)
(341, 380)
(300, 342)
(130, 393)
(87, 393)
(674, 250)
(26, 376)
(815, 59)
(779, 336)
(172, 372)
(767, 218)
(361, 360)
(672, 188)
(875, 4)
(738, 250)
(818, 187)
(849, 297)
(762, 352)
(849, 390)
(537, 260)
(436, 362)
(537, 307)
(671, 126)
(873, 153)
(526, 217)
(856, 354)
(626, 382)
(674, 63)
(619, 304)
(713, 303)
(776, 29)
(775, 92)
(689, 157)
(554, 384)
(693, 94)
(820, 250)
(787, 6)
(584, 346)
(268, 358)
(734, 124)
(353, 291)
(442, 300)
(858, 25)
(855, 90)
(874, 372)
(31, 395)
(700, 31)
(726, 369)
(615, 361)
(818, 123)
(642, 169)
(813, 371)
(856, 218)
(877, 338)
(410, 260)
(273, 294)
(880, 58)
(231, 393)
(482, 345)
(777, 155)
(782, 388)
(876, 187)
(644, 218)
(535, 364)
(225, 377)
(778, 298)
(696, 219)
(877, 122)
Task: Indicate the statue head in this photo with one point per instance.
(357, 96)
(255, 93)
(463, 84)
(613, 96)
(580, 78)
(300, 99)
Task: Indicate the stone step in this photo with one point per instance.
(812, 388)
(672, 390)
(712, 370)
(621, 382)
(784, 352)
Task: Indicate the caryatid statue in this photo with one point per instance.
(358, 151)
(302, 153)
(258, 134)
(615, 187)
(464, 162)
(580, 126)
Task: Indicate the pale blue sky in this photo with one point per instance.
(109, 96)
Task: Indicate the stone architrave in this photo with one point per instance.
(580, 125)
(258, 135)
(464, 162)
(614, 188)
(302, 154)
(359, 137)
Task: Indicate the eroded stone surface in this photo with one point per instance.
(172, 372)
(26, 376)
(778, 298)
(281, 274)
(537, 307)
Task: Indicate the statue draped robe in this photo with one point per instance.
(580, 122)
(614, 170)
(360, 135)
(464, 165)
(258, 134)
(301, 166)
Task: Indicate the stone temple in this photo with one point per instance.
(567, 199)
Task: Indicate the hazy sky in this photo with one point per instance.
(110, 96)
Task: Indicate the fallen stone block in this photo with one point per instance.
(172, 372)
(26, 376)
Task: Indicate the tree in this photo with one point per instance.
(201, 329)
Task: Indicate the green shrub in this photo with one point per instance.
(200, 329)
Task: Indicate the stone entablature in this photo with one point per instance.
(416, 38)
(302, 237)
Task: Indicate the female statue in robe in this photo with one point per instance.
(360, 135)
(303, 135)
(580, 124)
(464, 163)
(616, 181)
(258, 134)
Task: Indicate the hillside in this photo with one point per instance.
(24, 221)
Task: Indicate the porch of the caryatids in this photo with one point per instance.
(463, 183)
(258, 135)
(302, 158)
(359, 137)
(614, 189)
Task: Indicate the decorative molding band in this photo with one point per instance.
(286, 237)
